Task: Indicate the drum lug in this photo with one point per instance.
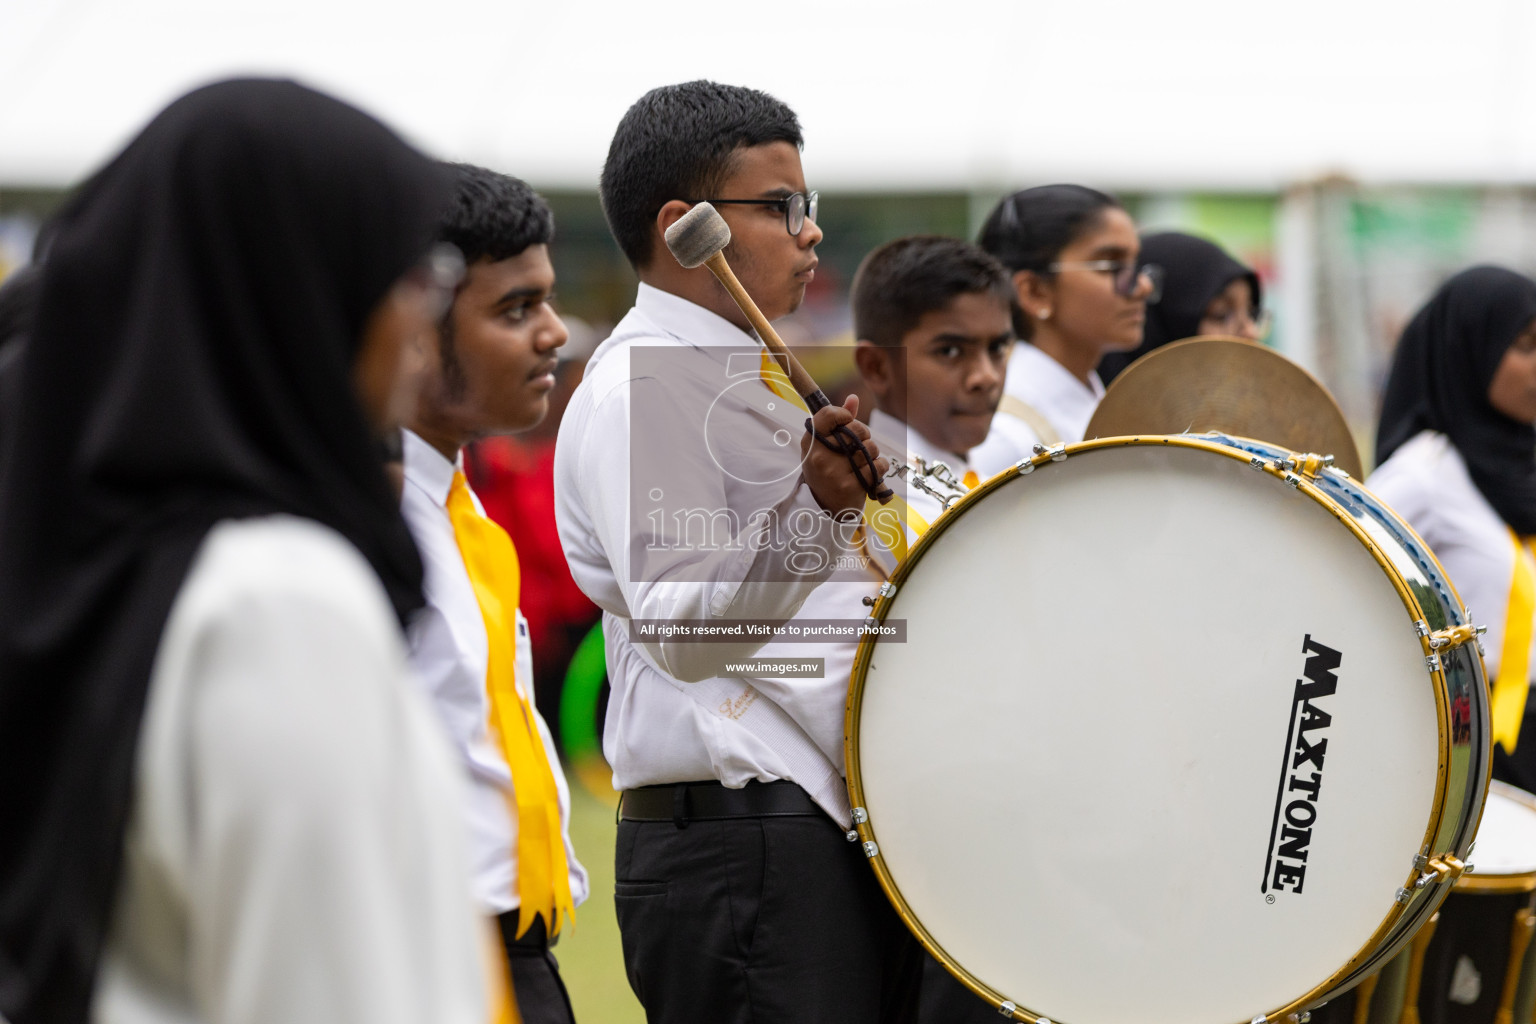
(1025, 466)
(1433, 661)
(1305, 1016)
(1308, 464)
(860, 816)
(1007, 1009)
(851, 835)
(871, 849)
(1441, 869)
(1403, 896)
(887, 589)
(1441, 639)
(1057, 452)
(1421, 627)
(1260, 1019)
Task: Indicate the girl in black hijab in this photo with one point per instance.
(1205, 291)
(1456, 453)
(202, 579)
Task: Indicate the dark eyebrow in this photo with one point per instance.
(1109, 252)
(777, 193)
(521, 293)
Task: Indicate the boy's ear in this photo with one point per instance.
(875, 366)
(670, 213)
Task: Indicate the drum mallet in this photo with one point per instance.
(698, 238)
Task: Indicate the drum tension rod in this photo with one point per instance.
(1057, 453)
(1455, 636)
(1444, 868)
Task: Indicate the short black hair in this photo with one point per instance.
(1028, 230)
(493, 216)
(677, 142)
(903, 280)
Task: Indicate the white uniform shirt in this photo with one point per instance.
(1042, 383)
(449, 652)
(675, 715)
(295, 851)
(1427, 483)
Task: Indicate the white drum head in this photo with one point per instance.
(1506, 837)
(1074, 767)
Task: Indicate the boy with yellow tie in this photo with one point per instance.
(491, 373)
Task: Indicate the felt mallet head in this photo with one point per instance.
(697, 235)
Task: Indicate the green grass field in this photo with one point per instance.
(590, 958)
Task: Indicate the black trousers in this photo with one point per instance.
(536, 986)
(760, 920)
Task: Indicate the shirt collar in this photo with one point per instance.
(426, 469)
(1049, 377)
(890, 430)
(689, 321)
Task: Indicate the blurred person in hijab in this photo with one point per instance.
(18, 306)
(1205, 291)
(1456, 458)
(221, 797)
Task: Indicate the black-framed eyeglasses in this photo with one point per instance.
(798, 207)
(1127, 275)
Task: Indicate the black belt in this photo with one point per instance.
(535, 940)
(683, 802)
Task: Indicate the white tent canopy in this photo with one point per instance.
(969, 94)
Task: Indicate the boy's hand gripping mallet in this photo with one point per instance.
(699, 238)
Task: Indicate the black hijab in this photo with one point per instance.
(1194, 272)
(202, 302)
(1445, 361)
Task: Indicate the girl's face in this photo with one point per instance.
(1513, 388)
(1081, 305)
(1231, 312)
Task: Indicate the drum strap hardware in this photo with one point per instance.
(1007, 1009)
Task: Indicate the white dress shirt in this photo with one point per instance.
(1042, 383)
(1427, 483)
(449, 652)
(295, 851)
(669, 414)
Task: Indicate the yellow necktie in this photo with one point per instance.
(777, 380)
(1513, 682)
(543, 876)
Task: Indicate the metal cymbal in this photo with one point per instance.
(1231, 385)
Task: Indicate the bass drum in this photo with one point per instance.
(1185, 730)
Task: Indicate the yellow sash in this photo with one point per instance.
(1513, 682)
(543, 875)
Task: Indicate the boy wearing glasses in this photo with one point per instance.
(691, 506)
(491, 373)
